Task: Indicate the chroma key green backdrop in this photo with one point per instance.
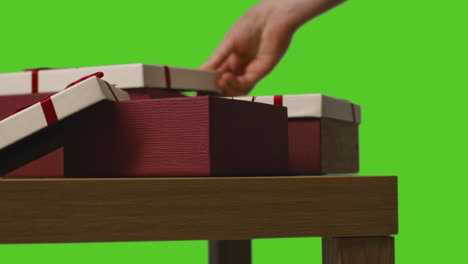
(405, 62)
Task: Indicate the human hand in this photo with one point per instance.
(258, 41)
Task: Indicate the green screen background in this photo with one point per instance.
(405, 62)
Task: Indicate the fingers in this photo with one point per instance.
(241, 84)
(225, 82)
(235, 63)
(258, 69)
(273, 45)
(231, 85)
(233, 67)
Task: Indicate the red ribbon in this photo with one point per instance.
(35, 81)
(49, 111)
(112, 92)
(35, 78)
(167, 73)
(278, 100)
(97, 74)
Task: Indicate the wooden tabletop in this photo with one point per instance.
(152, 209)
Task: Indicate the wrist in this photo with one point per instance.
(280, 13)
(294, 13)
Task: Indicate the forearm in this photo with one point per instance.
(297, 12)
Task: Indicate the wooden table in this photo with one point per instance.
(355, 215)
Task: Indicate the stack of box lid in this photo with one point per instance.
(130, 121)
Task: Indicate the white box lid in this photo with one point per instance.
(57, 107)
(125, 76)
(312, 105)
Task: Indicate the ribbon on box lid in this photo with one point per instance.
(79, 95)
(35, 78)
(277, 100)
(97, 74)
(299, 106)
(47, 105)
(134, 76)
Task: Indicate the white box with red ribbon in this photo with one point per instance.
(78, 96)
(312, 105)
(127, 76)
(322, 132)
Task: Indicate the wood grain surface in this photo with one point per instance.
(358, 250)
(230, 208)
(230, 252)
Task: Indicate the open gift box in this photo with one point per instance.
(36, 130)
(107, 136)
(193, 136)
(141, 81)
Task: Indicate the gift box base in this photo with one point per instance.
(193, 136)
(322, 146)
(35, 148)
(47, 166)
(51, 165)
(11, 103)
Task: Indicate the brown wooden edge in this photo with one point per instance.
(235, 208)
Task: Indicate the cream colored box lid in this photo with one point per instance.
(312, 105)
(125, 76)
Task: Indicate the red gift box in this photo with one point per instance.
(51, 164)
(33, 134)
(323, 132)
(322, 146)
(194, 136)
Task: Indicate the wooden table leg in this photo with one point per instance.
(230, 251)
(358, 250)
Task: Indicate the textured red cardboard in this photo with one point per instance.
(321, 146)
(196, 136)
(50, 165)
